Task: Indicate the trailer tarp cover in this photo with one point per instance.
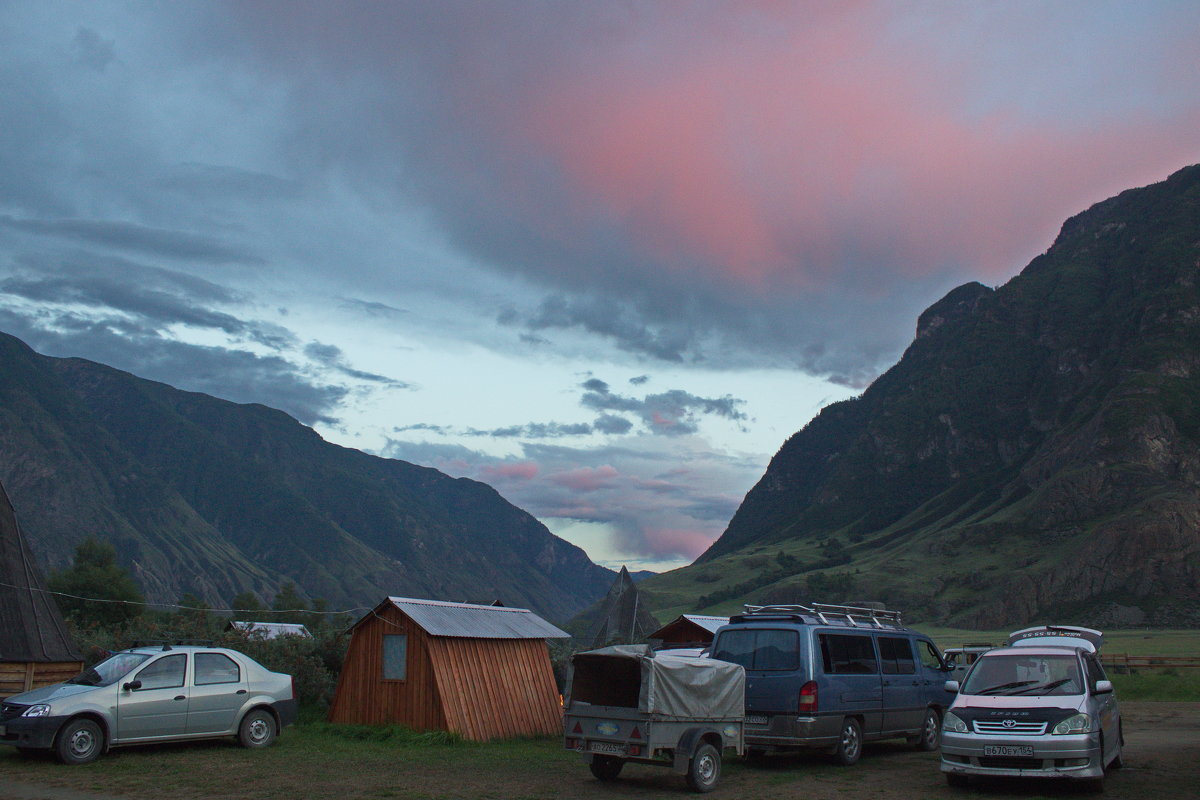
(666, 685)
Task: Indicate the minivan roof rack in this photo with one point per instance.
(851, 615)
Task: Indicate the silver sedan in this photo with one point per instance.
(152, 694)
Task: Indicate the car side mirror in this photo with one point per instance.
(951, 686)
(132, 686)
(1103, 687)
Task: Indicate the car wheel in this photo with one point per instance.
(705, 769)
(606, 768)
(80, 741)
(957, 780)
(257, 729)
(849, 746)
(931, 731)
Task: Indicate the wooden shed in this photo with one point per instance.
(689, 630)
(35, 647)
(479, 671)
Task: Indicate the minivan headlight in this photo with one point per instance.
(39, 710)
(1079, 723)
(951, 722)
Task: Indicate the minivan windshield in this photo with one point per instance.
(760, 649)
(110, 670)
(1022, 674)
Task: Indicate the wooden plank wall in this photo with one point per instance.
(496, 688)
(363, 697)
(17, 677)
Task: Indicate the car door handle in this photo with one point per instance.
(241, 691)
(181, 697)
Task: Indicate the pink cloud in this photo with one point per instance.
(682, 541)
(587, 479)
(523, 471)
(781, 159)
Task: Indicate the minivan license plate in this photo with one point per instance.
(1025, 750)
(606, 747)
(756, 719)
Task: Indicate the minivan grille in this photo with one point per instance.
(1009, 727)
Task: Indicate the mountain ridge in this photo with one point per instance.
(1036, 448)
(207, 496)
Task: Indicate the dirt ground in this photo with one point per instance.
(1162, 761)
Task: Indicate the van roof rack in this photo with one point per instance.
(827, 612)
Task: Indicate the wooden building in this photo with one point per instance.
(35, 647)
(479, 671)
(688, 630)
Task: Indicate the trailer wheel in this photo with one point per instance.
(606, 768)
(705, 769)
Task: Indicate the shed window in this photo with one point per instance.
(395, 657)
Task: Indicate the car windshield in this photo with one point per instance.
(1027, 675)
(110, 670)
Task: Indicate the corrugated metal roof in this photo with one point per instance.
(470, 621)
(709, 624)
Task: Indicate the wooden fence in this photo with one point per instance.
(1125, 663)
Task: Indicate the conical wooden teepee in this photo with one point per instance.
(35, 646)
(623, 618)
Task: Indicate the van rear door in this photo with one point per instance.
(774, 666)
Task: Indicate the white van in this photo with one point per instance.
(1040, 707)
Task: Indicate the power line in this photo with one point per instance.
(185, 608)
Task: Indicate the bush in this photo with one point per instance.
(314, 663)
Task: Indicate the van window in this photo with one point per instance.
(759, 649)
(848, 654)
(896, 656)
(928, 654)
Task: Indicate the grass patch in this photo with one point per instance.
(1164, 685)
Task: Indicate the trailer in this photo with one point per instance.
(629, 703)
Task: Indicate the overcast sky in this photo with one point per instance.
(605, 256)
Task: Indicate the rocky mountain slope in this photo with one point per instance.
(1035, 453)
(207, 496)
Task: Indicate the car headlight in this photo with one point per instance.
(39, 710)
(1079, 723)
(951, 722)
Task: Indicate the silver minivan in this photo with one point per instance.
(1041, 707)
(151, 694)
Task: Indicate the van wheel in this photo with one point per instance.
(1117, 761)
(849, 746)
(931, 731)
(705, 769)
(606, 768)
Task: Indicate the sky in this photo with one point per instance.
(605, 256)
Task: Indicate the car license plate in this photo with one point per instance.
(1025, 750)
(607, 747)
(756, 719)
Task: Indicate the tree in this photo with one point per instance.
(246, 601)
(100, 590)
(289, 599)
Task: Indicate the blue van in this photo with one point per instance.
(832, 677)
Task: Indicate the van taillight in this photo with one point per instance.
(808, 698)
